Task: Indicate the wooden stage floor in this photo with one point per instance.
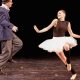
(39, 69)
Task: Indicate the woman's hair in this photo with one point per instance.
(5, 1)
(63, 11)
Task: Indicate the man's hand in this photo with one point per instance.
(15, 29)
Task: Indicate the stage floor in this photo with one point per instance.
(39, 69)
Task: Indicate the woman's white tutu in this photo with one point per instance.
(56, 44)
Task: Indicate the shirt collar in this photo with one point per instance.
(4, 6)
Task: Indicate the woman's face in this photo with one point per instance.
(60, 14)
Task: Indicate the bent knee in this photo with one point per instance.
(66, 47)
(20, 43)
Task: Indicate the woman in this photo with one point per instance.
(60, 42)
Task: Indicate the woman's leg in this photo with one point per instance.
(62, 56)
(64, 60)
(67, 53)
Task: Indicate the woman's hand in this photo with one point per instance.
(36, 29)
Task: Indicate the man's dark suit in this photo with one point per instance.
(5, 25)
(10, 43)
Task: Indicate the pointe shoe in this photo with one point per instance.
(69, 67)
(73, 77)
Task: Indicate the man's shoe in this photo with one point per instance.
(2, 71)
(12, 61)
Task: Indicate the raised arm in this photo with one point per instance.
(53, 23)
(71, 32)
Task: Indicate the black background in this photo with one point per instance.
(26, 13)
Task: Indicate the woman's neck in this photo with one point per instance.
(62, 19)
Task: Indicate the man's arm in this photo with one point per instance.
(4, 22)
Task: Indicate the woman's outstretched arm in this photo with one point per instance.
(71, 32)
(53, 23)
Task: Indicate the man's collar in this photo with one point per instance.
(4, 6)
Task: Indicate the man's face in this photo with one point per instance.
(9, 4)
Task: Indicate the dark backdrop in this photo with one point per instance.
(26, 13)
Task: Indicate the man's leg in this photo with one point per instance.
(16, 45)
(6, 47)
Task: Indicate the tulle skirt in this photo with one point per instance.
(56, 44)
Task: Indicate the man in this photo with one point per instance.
(10, 43)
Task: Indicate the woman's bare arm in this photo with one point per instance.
(53, 23)
(71, 32)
